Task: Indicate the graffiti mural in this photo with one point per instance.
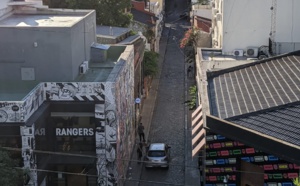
(125, 112)
(29, 157)
(106, 137)
(74, 91)
(20, 111)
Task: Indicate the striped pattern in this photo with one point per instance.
(258, 86)
(198, 131)
(88, 98)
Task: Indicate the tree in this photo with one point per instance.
(108, 12)
(9, 175)
(150, 63)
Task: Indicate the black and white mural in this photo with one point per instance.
(29, 158)
(106, 138)
(74, 91)
(20, 111)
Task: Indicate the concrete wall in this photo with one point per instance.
(58, 51)
(83, 35)
(247, 23)
(52, 54)
(3, 4)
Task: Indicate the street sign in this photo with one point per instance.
(137, 100)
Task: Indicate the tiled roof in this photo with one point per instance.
(282, 122)
(143, 17)
(256, 86)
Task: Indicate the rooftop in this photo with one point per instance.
(257, 103)
(111, 31)
(255, 86)
(143, 17)
(42, 17)
(280, 122)
(97, 72)
(18, 20)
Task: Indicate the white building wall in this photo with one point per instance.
(3, 4)
(287, 24)
(247, 23)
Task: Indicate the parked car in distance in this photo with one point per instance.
(158, 155)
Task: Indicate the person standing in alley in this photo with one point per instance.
(139, 152)
(189, 71)
(141, 132)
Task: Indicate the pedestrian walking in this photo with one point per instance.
(189, 71)
(139, 152)
(141, 132)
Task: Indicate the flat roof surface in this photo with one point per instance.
(98, 72)
(111, 31)
(36, 20)
(15, 90)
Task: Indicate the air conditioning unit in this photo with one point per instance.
(86, 63)
(252, 52)
(214, 11)
(238, 52)
(219, 17)
(82, 69)
(215, 42)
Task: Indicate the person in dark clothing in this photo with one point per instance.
(141, 132)
(140, 152)
(189, 71)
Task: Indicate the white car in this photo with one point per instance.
(158, 155)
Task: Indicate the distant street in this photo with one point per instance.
(168, 122)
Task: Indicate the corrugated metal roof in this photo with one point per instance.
(257, 86)
(282, 122)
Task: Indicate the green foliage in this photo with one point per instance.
(132, 33)
(9, 175)
(150, 63)
(108, 12)
(203, 2)
(193, 97)
(149, 34)
(296, 181)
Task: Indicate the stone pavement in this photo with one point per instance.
(135, 169)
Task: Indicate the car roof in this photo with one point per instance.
(157, 146)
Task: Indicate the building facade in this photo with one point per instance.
(93, 122)
(249, 139)
(243, 24)
(67, 103)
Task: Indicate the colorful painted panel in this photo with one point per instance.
(223, 154)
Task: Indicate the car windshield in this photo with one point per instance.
(156, 153)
